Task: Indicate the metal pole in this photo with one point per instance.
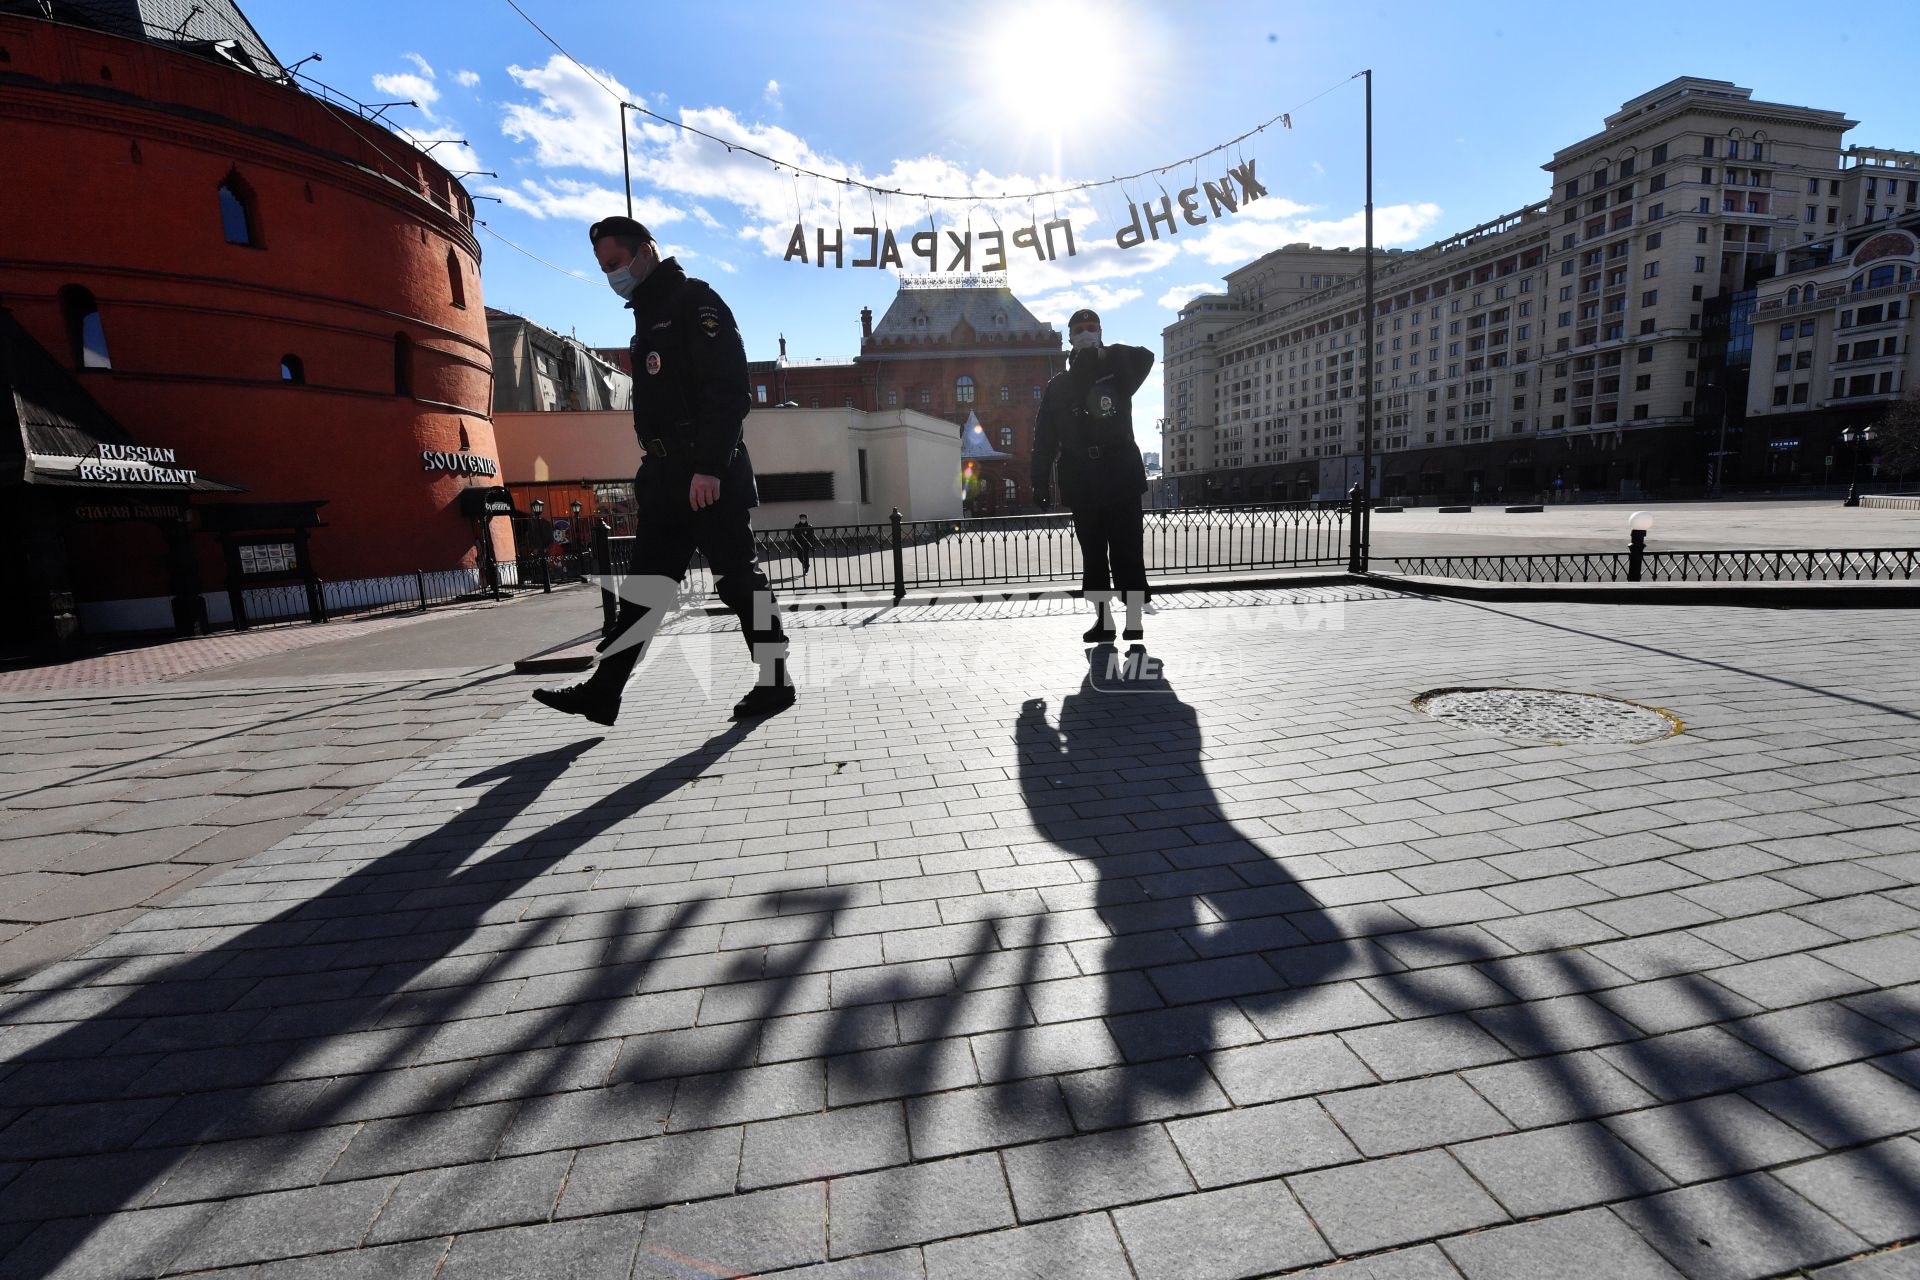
(1356, 552)
(899, 560)
(626, 170)
(603, 568)
(1636, 553)
(1363, 514)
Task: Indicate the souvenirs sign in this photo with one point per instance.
(466, 464)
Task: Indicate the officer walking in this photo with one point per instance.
(1086, 423)
(695, 489)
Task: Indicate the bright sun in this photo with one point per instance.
(1060, 69)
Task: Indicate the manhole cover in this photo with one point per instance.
(1548, 714)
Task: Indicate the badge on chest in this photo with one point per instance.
(653, 362)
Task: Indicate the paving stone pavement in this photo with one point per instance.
(983, 963)
(110, 801)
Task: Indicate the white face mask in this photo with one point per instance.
(1084, 339)
(621, 281)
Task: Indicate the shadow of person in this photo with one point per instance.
(1205, 929)
(318, 1017)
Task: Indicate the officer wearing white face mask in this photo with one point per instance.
(695, 490)
(1086, 425)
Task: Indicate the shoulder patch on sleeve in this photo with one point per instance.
(710, 320)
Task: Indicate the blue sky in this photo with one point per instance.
(994, 95)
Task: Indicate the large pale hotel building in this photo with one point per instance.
(1713, 281)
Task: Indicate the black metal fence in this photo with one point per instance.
(359, 599)
(902, 555)
(1865, 565)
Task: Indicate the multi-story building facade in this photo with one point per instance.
(1596, 342)
(1832, 342)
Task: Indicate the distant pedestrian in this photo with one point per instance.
(1086, 424)
(805, 543)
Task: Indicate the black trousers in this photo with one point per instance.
(1111, 551)
(666, 538)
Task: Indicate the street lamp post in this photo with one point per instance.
(1856, 438)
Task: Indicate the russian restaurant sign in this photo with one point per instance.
(879, 247)
(133, 464)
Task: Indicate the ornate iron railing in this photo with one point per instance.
(1763, 565)
(911, 555)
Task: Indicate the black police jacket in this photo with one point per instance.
(689, 382)
(1086, 424)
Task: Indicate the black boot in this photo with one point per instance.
(593, 701)
(768, 699)
(765, 700)
(1101, 632)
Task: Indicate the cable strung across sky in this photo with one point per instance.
(1283, 119)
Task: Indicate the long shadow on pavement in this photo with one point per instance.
(115, 1102)
(1196, 912)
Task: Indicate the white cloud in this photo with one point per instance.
(421, 63)
(467, 79)
(772, 95)
(407, 85)
(455, 156)
(1269, 224)
(1057, 307)
(574, 124)
(1319, 170)
(1181, 294)
(582, 201)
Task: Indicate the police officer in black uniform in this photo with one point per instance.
(1086, 423)
(695, 489)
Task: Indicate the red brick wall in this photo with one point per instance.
(112, 186)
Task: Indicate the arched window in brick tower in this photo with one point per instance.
(456, 282)
(86, 334)
(293, 369)
(239, 218)
(402, 365)
(963, 389)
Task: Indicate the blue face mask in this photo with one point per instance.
(621, 281)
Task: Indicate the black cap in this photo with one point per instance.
(617, 227)
(1084, 313)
